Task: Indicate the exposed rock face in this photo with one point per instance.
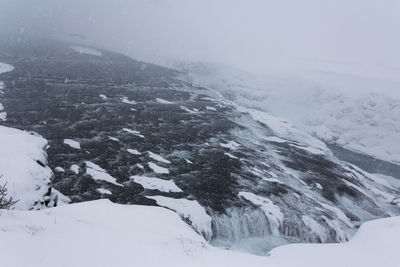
(258, 178)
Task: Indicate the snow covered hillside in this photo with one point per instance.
(135, 133)
(350, 106)
(100, 233)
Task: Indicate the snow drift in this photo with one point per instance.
(121, 235)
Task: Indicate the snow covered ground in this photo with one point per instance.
(130, 235)
(352, 106)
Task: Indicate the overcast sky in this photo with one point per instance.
(252, 34)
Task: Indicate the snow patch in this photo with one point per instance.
(231, 145)
(85, 50)
(231, 156)
(74, 168)
(188, 109)
(154, 183)
(158, 157)
(113, 138)
(133, 151)
(99, 173)
(4, 67)
(158, 169)
(72, 143)
(104, 191)
(125, 100)
(137, 133)
(163, 101)
(59, 169)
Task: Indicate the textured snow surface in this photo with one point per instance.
(154, 183)
(153, 236)
(85, 50)
(20, 154)
(340, 104)
(189, 210)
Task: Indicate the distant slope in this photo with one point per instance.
(339, 104)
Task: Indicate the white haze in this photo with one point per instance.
(332, 67)
(254, 35)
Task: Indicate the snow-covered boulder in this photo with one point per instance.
(23, 166)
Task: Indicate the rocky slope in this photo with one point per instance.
(137, 134)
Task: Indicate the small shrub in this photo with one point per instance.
(5, 201)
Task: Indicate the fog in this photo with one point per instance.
(253, 35)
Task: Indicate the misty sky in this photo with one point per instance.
(251, 34)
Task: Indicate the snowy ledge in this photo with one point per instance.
(122, 234)
(23, 166)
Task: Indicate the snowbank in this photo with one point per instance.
(23, 166)
(78, 235)
(375, 244)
